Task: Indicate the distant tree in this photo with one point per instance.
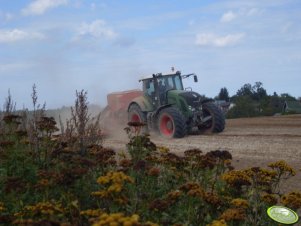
(276, 104)
(254, 101)
(258, 92)
(245, 90)
(244, 107)
(288, 97)
(224, 94)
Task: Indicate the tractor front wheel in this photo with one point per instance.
(172, 123)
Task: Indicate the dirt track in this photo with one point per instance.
(252, 142)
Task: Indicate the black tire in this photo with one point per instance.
(217, 123)
(171, 123)
(136, 115)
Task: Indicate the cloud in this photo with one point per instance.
(208, 39)
(243, 12)
(228, 16)
(97, 29)
(15, 35)
(5, 17)
(286, 27)
(10, 67)
(254, 11)
(8, 16)
(124, 41)
(38, 7)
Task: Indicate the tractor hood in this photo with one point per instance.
(192, 98)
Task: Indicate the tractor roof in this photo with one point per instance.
(159, 75)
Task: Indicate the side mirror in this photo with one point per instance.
(195, 78)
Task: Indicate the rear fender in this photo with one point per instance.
(160, 108)
(143, 102)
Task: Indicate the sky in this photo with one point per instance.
(105, 46)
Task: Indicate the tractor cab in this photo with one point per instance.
(158, 86)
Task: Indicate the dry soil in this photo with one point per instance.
(251, 141)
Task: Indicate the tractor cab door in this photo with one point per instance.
(149, 91)
(162, 88)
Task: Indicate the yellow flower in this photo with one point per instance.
(101, 194)
(114, 182)
(115, 188)
(19, 214)
(233, 214)
(212, 198)
(103, 180)
(163, 149)
(44, 208)
(236, 178)
(173, 195)
(282, 167)
(91, 213)
(121, 200)
(190, 186)
(117, 177)
(116, 219)
(196, 193)
(2, 207)
(218, 223)
(260, 175)
(240, 203)
(227, 162)
(292, 200)
(148, 223)
(269, 199)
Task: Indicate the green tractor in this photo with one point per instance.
(173, 111)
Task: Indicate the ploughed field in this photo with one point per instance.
(251, 141)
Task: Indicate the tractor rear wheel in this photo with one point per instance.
(216, 123)
(172, 123)
(136, 115)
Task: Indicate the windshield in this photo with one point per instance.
(171, 82)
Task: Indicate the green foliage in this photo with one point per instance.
(288, 97)
(224, 94)
(245, 90)
(244, 107)
(251, 101)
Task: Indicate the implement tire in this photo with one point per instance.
(171, 123)
(136, 115)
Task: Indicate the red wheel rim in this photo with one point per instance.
(166, 125)
(135, 118)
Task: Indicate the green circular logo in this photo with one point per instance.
(282, 215)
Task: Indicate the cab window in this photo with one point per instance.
(178, 83)
(149, 88)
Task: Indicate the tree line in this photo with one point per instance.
(253, 100)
